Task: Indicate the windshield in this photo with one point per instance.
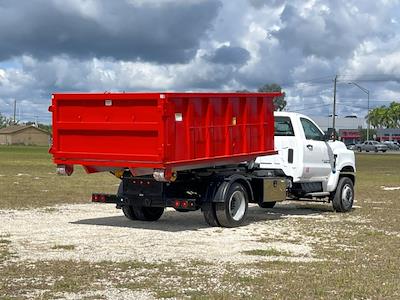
(311, 131)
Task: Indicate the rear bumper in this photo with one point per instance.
(184, 204)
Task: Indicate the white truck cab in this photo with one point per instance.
(313, 163)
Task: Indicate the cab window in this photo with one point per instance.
(283, 126)
(311, 131)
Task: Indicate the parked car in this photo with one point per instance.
(392, 145)
(372, 146)
(351, 146)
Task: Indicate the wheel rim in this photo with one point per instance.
(347, 195)
(237, 205)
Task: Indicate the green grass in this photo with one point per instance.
(4, 247)
(267, 252)
(358, 252)
(63, 247)
(28, 180)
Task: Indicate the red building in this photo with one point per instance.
(389, 134)
(349, 136)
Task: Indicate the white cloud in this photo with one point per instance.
(299, 44)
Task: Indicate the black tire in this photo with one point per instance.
(383, 151)
(210, 217)
(140, 213)
(129, 212)
(376, 150)
(359, 149)
(232, 212)
(343, 198)
(149, 214)
(267, 204)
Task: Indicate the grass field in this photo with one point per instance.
(27, 180)
(358, 253)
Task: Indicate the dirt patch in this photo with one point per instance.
(109, 293)
(98, 233)
(394, 188)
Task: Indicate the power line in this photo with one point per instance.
(361, 99)
(324, 105)
(310, 108)
(341, 77)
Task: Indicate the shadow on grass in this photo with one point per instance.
(173, 221)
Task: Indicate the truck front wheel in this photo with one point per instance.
(343, 197)
(232, 212)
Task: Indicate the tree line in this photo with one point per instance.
(385, 116)
(279, 102)
(5, 122)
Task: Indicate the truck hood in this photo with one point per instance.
(344, 156)
(337, 146)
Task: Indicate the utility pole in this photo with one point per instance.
(367, 92)
(334, 108)
(368, 124)
(15, 110)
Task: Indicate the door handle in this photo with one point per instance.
(310, 147)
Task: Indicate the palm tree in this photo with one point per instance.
(383, 116)
(374, 118)
(394, 114)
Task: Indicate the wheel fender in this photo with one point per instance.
(334, 178)
(226, 184)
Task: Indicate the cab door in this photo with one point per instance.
(317, 154)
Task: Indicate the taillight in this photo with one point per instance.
(184, 204)
(177, 204)
(65, 170)
(99, 198)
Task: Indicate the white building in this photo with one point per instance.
(340, 123)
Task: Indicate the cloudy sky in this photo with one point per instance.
(51, 46)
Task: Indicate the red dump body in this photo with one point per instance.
(167, 131)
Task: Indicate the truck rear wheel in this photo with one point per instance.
(266, 204)
(209, 214)
(128, 209)
(142, 213)
(148, 213)
(343, 197)
(232, 212)
(129, 212)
